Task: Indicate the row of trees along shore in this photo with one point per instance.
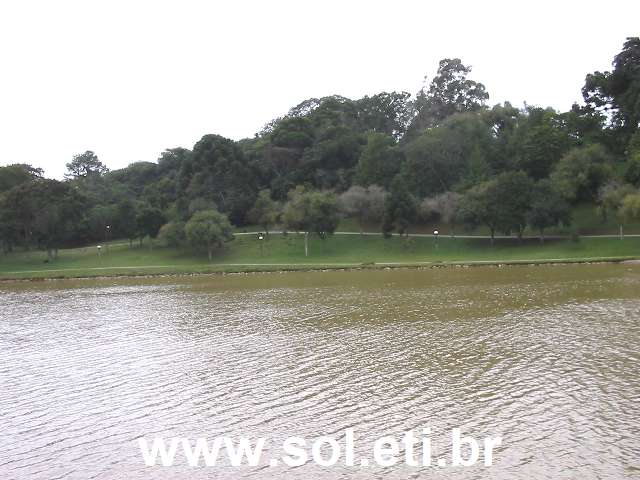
(390, 159)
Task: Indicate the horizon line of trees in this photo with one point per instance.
(390, 159)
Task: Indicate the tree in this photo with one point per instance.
(455, 153)
(218, 171)
(208, 229)
(512, 197)
(400, 208)
(449, 92)
(125, 223)
(477, 208)
(443, 206)
(85, 165)
(265, 211)
(386, 113)
(540, 141)
(547, 208)
(581, 172)
(100, 219)
(16, 174)
(172, 234)
(47, 212)
(149, 220)
(632, 169)
(617, 92)
(500, 204)
(366, 205)
(630, 210)
(311, 212)
(379, 161)
(610, 199)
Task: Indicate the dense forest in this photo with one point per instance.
(391, 159)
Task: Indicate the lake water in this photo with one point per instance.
(546, 357)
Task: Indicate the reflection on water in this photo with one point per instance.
(547, 357)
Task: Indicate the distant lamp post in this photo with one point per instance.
(261, 240)
(99, 250)
(107, 236)
(436, 233)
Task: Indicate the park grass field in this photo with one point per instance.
(286, 252)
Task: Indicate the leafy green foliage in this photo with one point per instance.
(581, 172)
(208, 229)
(172, 234)
(85, 165)
(449, 92)
(501, 204)
(379, 161)
(630, 209)
(149, 219)
(14, 175)
(547, 208)
(265, 211)
(400, 208)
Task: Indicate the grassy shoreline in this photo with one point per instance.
(286, 253)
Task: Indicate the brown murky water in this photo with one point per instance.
(546, 357)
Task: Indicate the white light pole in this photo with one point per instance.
(435, 236)
(261, 239)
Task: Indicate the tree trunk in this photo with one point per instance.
(493, 237)
(541, 235)
(306, 244)
(621, 232)
(210, 252)
(50, 254)
(131, 243)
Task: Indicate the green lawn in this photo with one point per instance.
(244, 254)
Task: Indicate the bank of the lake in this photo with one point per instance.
(280, 253)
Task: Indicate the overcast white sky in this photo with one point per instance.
(128, 79)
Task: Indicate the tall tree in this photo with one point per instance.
(208, 229)
(501, 204)
(581, 172)
(311, 212)
(149, 220)
(456, 152)
(547, 208)
(16, 174)
(400, 208)
(449, 92)
(218, 171)
(85, 165)
(617, 92)
(386, 113)
(379, 161)
(265, 211)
